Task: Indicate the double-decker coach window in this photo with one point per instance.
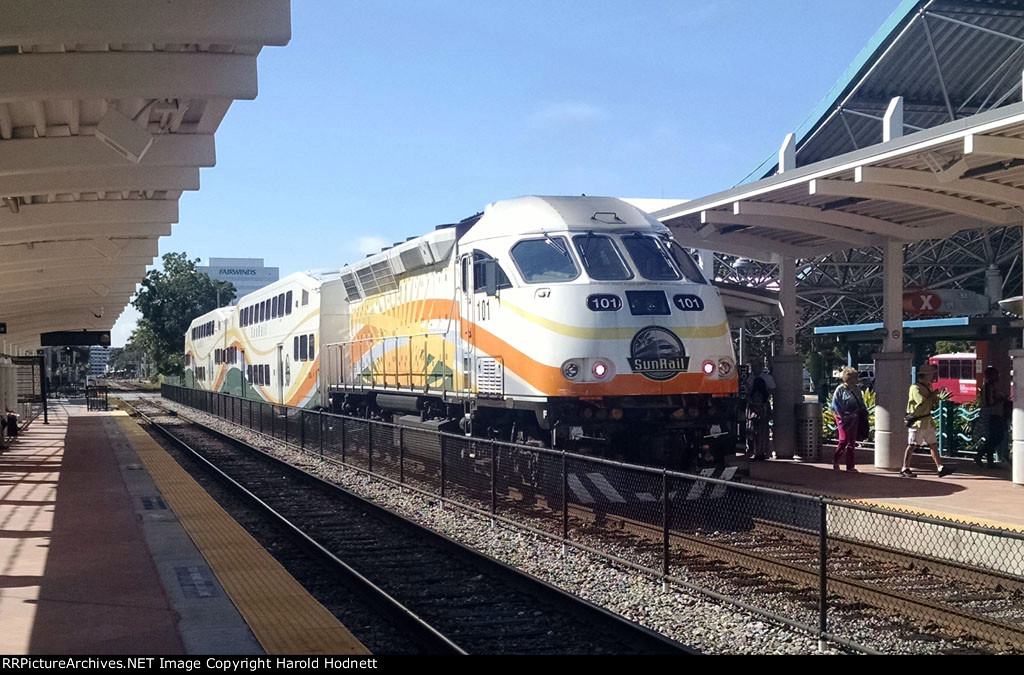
(544, 261)
(312, 346)
(303, 347)
(601, 257)
(288, 303)
(650, 257)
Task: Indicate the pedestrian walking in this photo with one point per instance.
(921, 401)
(851, 416)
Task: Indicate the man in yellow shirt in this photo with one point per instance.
(922, 400)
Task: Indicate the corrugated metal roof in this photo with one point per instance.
(976, 66)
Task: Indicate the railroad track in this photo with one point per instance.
(453, 599)
(961, 600)
(965, 601)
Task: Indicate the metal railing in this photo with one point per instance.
(96, 397)
(671, 524)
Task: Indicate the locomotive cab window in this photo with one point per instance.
(601, 258)
(685, 262)
(480, 260)
(544, 261)
(650, 257)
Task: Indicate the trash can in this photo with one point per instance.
(808, 430)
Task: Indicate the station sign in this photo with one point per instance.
(944, 302)
(72, 338)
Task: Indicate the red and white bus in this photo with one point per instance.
(958, 374)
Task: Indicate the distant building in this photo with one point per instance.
(98, 357)
(247, 274)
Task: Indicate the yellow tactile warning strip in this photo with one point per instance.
(941, 515)
(894, 506)
(282, 615)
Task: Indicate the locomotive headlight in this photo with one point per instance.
(724, 367)
(600, 369)
(571, 370)
(616, 413)
(708, 368)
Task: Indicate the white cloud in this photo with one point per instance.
(567, 112)
(371, 244)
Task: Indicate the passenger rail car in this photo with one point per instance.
(553, 320)
(265, 348)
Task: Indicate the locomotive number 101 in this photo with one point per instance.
(604, 303)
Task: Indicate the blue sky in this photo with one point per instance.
(384, 118)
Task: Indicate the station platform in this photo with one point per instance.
(108, 547)
(972, 494)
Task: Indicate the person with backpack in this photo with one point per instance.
(851, 416)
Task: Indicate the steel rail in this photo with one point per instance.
(422, 632)
(948, 568)
(585, 610)
(959, 621)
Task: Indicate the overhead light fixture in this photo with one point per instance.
(126, 137)
(995, 167)
(13, 203)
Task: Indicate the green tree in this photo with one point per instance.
(168, 301)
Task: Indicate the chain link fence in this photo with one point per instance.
(803, 560)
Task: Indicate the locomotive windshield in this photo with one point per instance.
(685, 263)
(601, 257)
(544, 260)
(650, 257)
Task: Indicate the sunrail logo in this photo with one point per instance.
(237, 272)
(657, 354)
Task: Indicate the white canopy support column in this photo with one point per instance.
(1018, 416)
(892, 366)
(787, 366)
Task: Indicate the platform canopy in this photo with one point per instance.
(928, 185)
(108, 110)
(949, 61)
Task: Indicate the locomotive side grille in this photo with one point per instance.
(490, 376)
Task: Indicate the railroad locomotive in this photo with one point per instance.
(558, 321)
